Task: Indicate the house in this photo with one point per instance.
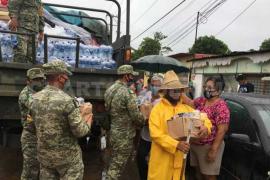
(186, 57)
(255, 65)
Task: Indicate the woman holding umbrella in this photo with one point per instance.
(166, 155)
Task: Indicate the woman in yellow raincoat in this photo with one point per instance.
(166, 156)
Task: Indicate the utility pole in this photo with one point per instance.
(128, 17)
(197, 24)
(196, 34)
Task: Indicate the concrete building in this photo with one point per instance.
(255, 65)
(186, 57)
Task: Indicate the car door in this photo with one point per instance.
(240, 144)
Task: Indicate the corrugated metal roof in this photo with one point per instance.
(237, 53)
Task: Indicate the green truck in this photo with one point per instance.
(87, 83)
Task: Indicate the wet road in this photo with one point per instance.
(11, 164)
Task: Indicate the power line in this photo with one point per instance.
(159, 20)
(147, 10)
(207, 13)
(192, 29)
(187, 31)
(241, 13)
(177, 14)
(183, 27)
(174, 32)
(188, 26)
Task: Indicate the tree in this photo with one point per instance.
(151, 46)
(265, 44)
(209, 45)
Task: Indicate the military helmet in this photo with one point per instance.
(126, 69)
(56, 67)
(35, 73)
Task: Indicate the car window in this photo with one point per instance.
(264, 113)
(240, 121)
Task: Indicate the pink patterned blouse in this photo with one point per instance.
(218, 113)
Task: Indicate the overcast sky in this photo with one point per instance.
(247, 32)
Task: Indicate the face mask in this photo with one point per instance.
(67, 86)
(154, 90)
(170, 99)
(208, 94)
(37, 85)
(174, 95)
(139, 87)
(130, 81)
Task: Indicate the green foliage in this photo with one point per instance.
(165, 50)
(159, 36)
(265, 45)
(209, 45)
(151, 46)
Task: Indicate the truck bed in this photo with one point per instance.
(87, 83)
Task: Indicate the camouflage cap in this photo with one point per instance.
(56, 67)
(35, 73)
(126, 69)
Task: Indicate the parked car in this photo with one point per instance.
(247, 150)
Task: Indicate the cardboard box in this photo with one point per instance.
(4, 15)
(178, 127)
(86, 110)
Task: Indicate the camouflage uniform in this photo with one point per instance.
(125, 115)
(29, 14)
(58, 124)
(28, 138)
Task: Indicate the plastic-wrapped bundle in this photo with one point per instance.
(3, 26)
(8, 42)
(82, 62)
(90, 56)
(106, 52)
(70, 30)
(40, 53)
(57, 30)
(7, 48)
(70, 51)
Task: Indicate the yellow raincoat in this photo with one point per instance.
(165, 160)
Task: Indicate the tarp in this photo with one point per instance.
(95, 27)
(68, 19)
(73, 30)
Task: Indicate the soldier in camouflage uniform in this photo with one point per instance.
(120, 101)
(26, 16)
(35, 82)
(58, 124)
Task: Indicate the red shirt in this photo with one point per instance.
(4, 2)
(218, 113)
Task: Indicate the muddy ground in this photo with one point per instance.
(11, 162)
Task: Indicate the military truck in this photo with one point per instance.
(87, 83)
